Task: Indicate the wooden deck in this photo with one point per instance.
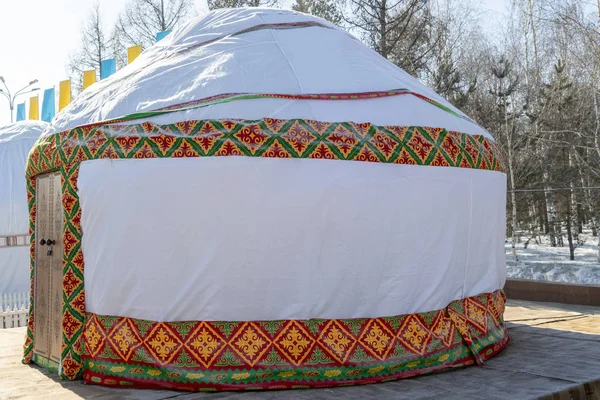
(554, 353)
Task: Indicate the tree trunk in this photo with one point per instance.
(569, 227)
(540, 210)
(513, 200)
(598, 239)
(383, 29)
(579, 218)
(597, 130)
(163, 23)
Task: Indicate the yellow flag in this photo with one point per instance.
(34, 108)
(64, 96)
(133, 52)
(89, 77)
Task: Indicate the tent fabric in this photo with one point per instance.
(210, 140)
(16, 140)
(359, 241)
(310, 229)
(280, 61)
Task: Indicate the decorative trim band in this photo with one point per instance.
(14, 241)
(201, 355)
(267, 138)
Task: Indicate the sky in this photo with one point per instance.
(37, 36)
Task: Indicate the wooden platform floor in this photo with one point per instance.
(554, 354)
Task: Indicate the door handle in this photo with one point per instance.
(42, 242)
(50, 242)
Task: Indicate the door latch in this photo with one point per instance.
(49, 243)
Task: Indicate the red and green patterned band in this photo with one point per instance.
(201, 355)
(266, 138)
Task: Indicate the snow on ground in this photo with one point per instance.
(540, 261)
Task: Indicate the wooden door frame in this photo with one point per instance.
(55, 272)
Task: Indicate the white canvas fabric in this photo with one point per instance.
(16, 140)
(308, 60)
(243, 238)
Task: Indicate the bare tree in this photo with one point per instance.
(396, 29)
(215, 4)
(455, 66)
(331, 10)
(143, 19)
(96, 46)
(505, 87)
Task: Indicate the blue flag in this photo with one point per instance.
(21, 112)
(161, 35)
(48, 105)
(107, 68)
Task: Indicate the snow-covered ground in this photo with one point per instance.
(540, 261)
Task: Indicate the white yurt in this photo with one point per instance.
(260, 201)
(16, 140)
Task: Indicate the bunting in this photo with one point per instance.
(133, 52)
(20, 112)
(48, 105)
(160, 35)
(34, 108)
(64, 95)
(107, 68)
(89, 78)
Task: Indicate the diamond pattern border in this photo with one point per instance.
(377, 338)
(265, 354)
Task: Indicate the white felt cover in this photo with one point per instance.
(243, 238)
(16, 141)
(291, 61)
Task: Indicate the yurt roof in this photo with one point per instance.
(22, 130)
(258, 51)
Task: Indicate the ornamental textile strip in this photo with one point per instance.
(14, 241)
(291, 354)
(267, 138)
(229, 97)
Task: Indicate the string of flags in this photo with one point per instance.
(107, 68)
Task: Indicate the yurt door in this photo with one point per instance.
(48, 267)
